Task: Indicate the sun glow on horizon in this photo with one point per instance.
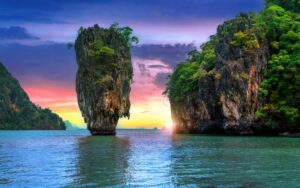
(169, 126)
(149, 114)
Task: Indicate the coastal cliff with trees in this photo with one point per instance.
(104, 76)
(245, 80)
(17, 112)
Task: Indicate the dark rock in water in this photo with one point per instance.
(103, 78)
(17, 112)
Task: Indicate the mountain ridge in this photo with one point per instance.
(17, 112)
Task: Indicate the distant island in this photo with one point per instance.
(71, 127)
(245, 80)
(17, 112)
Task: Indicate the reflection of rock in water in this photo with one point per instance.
(213, 162)
(102, 161)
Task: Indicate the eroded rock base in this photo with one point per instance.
(103, 132)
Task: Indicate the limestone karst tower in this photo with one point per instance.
(104, 76)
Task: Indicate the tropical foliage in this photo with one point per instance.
(277, 27)
(126, 33)
(185, 77)
(281, 86)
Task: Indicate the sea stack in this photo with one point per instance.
(104, 76)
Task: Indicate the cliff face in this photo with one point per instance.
(17, 112)
(103, 78)
(224, 92)
(226, 101)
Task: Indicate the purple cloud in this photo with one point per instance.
(15, 32)
(170, 54)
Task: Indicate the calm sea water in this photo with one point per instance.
(146, 158)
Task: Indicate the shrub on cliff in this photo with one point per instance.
(126, 33)
(183, 81)
(199, 64)
(281, 86)
(291, 5)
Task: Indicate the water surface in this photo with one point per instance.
(146, 158)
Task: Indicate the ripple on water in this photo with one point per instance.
(146, 158)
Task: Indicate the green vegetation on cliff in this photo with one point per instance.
(126, 33)
(275, 30)
(183, 80)
(17, 112)
(185, 77)
(291, 5)
(104, 51)
(280, 88)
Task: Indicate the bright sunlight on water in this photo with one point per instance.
(146, 158)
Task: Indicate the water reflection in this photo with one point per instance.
(150, 159)
(202, 161)
(102, 161)
(36, 158)
(189, 162)
(215, 161)
(146, 158)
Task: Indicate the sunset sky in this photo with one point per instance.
(33, 37)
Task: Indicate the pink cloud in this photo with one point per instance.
(50, 94)
(143, 87)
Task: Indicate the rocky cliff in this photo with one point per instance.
(17, 112)
(104, 76)
(233, 85)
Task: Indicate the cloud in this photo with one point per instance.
(155, 62)
(147, 10)
(56, 64)
(161, 79)
(142, 68)
(157, 66)
(157, 22)
(171, 55)
(35, 64)
(30, 11)
(15, 32)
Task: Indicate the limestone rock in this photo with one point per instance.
(226, 97)
(103, 78)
